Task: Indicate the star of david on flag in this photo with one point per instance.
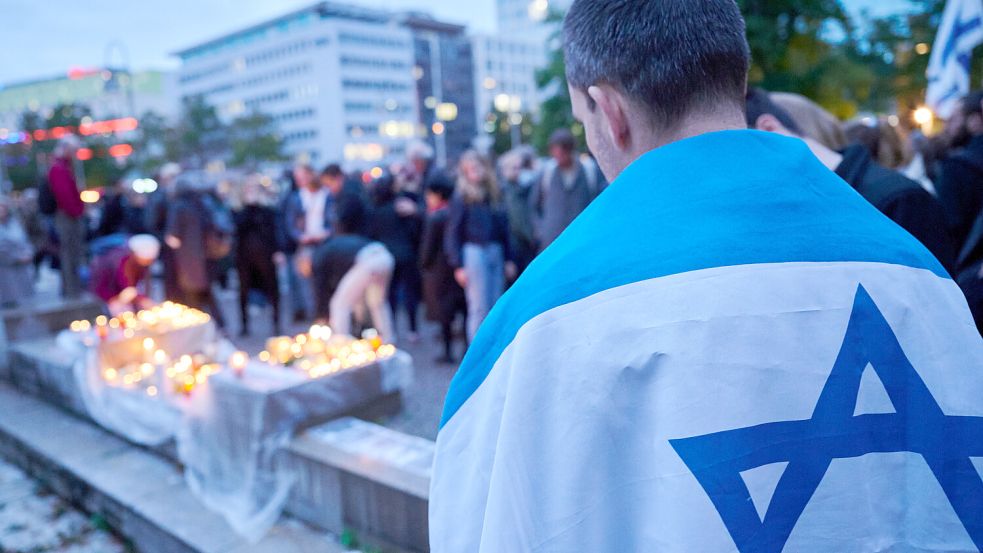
(808, 447)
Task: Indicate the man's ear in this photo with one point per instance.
(769, 123)
(613, 106)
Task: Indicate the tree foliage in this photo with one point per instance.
(28, 162)
(845, 62)
(254, 139)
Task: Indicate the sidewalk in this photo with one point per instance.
(33, 520)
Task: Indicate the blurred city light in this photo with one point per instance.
(120, 150)
(438, 128)
(924, 117)
(539, 9)
(144, 186)
(90, 196)
(502, 102)
(446, 111)
(84, 154)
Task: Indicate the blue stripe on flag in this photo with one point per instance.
(959, 29)
(716, 200)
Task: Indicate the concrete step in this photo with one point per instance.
(141, 495)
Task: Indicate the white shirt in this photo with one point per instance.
(314, 203)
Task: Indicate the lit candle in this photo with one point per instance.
(152, 391)
(372, 335)
(101, 329)
(237, 362)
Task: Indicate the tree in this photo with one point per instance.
(32, 157)
(201, 135)
(808, 47)
(255, 139)
(157, 142)
(499, 127)
(556, 112)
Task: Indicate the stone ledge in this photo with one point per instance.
(142, 496)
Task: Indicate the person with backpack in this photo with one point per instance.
(69, 214)
(199, 230)
(567, 187)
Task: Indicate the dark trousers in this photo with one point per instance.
(258, 274)
(405, 286)
(204, 300)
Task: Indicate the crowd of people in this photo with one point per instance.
(354, 249)
(373, 247)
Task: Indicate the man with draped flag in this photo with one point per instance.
(729, 350)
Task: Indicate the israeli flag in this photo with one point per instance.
(948, 68)
(730, 350)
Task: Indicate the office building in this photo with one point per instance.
(505, 76)
(343, 83)
(445, 87)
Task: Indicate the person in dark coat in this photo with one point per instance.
(400, 232)
(960, 177)
(189, 223)
(518, 181)
(155, 222)
(903, 200)
(258, 244)
(442, 295)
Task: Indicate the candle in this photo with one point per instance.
(372, 335)
(238, 361)
(152, 391)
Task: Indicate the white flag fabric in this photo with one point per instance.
(961, 30)
(729, 350)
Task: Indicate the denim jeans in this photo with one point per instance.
(485, 267)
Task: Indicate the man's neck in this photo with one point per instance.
(693, 126)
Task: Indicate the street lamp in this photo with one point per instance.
(511, 107)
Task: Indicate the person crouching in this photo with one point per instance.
(121, 276)
(350, 271)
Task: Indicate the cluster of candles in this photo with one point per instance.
(319, 353)
(160, 318)
(157, 372)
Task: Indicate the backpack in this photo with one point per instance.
(47, 204)
(219, 230)
(590, 173)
